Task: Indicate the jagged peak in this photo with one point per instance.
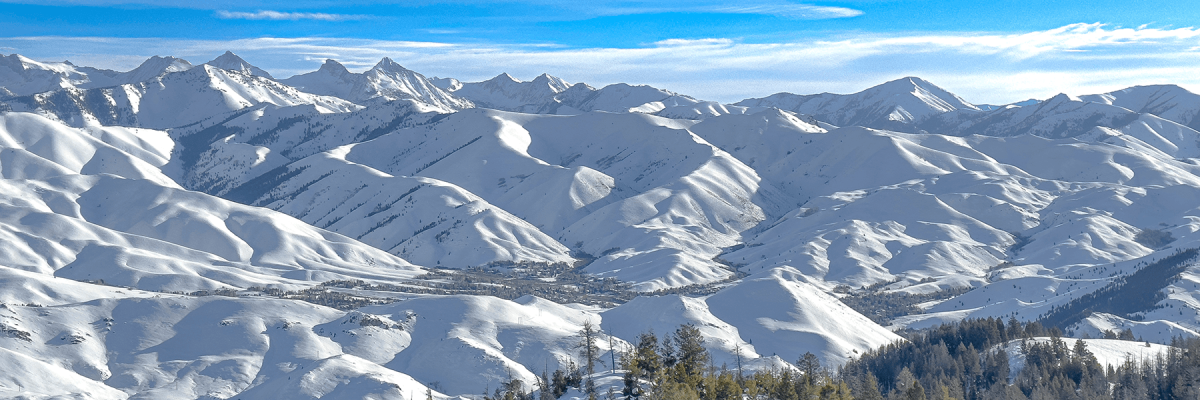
(504, 77)
(227, 58)
(19, 58)
(918, 86)
(333, 67)
(14, 60)
(164, 64)
(450, 84)
(387, 65)
(18, 61)
(908, 83)
(582, 86)
(1061, 98)
(231, 61)
(555, 83)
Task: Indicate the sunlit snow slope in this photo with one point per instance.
(120, 191)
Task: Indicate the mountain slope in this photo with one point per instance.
(20, 76)
(232, 62)
(653, 200)
(895, 105)
(80, 208)
(757, 218)
(1170, 102)
(546, 94)
(422, 220)
(386, 81)
(171, 100)
(293, 160)
(507, 93)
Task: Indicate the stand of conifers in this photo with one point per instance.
(965, 361)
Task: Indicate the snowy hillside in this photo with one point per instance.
(210, 232)
(546, 94)
(892, 105)
(171, 100)
(20, 76)
(232, 62)
(1167, 101)
(507, 93)
(651, 200)
(83, 209)
(1108, 352)
(386, 81)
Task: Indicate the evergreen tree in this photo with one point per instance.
(588, 335)
(544, 390)
(810, 365)
(915, 392)
(691, 355)
(726, 388)
(868, 388)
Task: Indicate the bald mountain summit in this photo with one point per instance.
(211, 230)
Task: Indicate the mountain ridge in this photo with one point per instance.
(248, 234)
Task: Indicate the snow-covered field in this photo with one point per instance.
(120, 192)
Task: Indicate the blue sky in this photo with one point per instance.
(987, 52)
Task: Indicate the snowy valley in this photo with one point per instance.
(185, 231)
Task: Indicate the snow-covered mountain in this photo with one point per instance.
(81, 208)
(896, 105)
(547, 94)
(90, 205)
(169, 100)
(507, 93)
(20, 76)
(232, 62)
(386, 81)
(590, 182)
(765, 220)
(1167, 101)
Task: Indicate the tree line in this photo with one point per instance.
(968, 360)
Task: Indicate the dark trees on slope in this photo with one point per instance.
(962, 361)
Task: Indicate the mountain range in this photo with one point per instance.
(211, 231)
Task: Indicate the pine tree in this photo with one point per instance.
(643, 364)
(588, 335)
(868, 388)
(726, 388)
(692, 357)
(915, 392)
(544, 390)
(810, 365)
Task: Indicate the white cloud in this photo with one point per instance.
(288, 16)
(559, 9)
(694, 42)
(981, 67)
(787, 10)
(763, 7)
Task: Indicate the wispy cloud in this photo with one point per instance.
(763, 7)
(982, 67)
(694, 42)
(787, 10)
(286, 16)
(553, 9)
